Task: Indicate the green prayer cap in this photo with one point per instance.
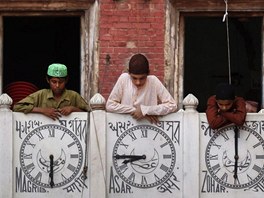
(57, 70)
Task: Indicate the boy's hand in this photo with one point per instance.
(137, 114)
(52, 113)
(66, 110)
(153, 119)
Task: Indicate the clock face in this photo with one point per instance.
(51, 156)
(144, 156)
(220, 157)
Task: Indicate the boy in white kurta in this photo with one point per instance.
(140, 94)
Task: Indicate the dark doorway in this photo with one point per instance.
(206, 56)
(33, 43)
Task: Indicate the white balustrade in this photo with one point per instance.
(106, 155)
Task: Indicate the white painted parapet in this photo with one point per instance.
(97, 170)
(191, 157)
(41, 157)
(190, 103)
(217, 159)
(5, 102)
(106, 155)
(6, 147)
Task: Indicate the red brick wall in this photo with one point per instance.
(127, 27)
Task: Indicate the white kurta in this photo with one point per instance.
(153, 98)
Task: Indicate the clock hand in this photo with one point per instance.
(130, 156)
(51, 171)
(130, 160)
(134, 158)
(236, 151)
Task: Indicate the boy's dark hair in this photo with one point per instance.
(225, 91)
(138, 64)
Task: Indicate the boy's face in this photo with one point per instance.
(224, 105)
(57, 85)
(138, 79)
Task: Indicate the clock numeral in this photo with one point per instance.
(249, 178)
(30, 167)
(166, 156)
(71, 144)
(63, 178)
(133, 136)
(213, 157)
(259, 156)
(39, 134)
(74, 156)
(123, 168)
(225, 136)
(166, 143)
(216, 168)
(71, 167)
(123, 144)
(256, 145)
(155, 136)
(164, 168)
(144, 133)
(224, 177)
(217, 145)
(248, 136)
(156, 178)
(51, 132)
(62, 136)
(144, 180)
(132, 177)
(31, 144)
(38, 176)
(256, 168)
(27, 156)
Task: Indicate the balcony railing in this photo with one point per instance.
(100, 154)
